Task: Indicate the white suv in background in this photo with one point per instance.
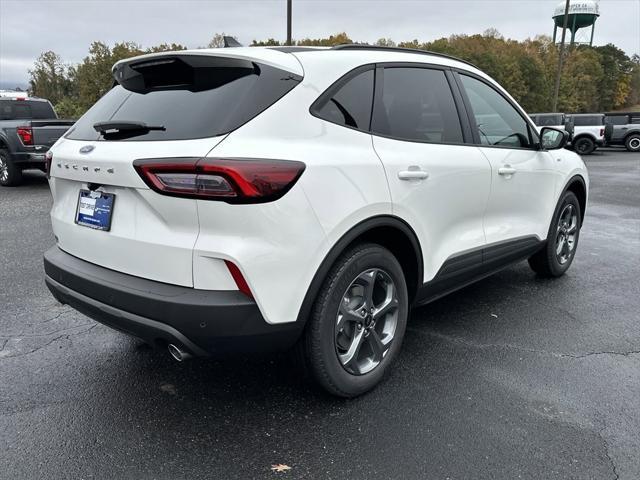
(588, 132)
(259, 198)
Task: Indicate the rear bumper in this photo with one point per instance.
(202, 322)
(26, 159)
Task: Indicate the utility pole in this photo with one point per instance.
(556, 91)
(289, 22)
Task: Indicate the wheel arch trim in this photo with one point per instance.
(347, 239)
(579, 179)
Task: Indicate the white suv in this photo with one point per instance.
(259, 198)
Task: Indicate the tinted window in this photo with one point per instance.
(498, 122)
(548, 120)
(635, 119)
(190, 102)
(25, 109)
(350, 106)
(588, 120)
(617, 120)
(417, 105)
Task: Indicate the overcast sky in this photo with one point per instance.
(67, 27)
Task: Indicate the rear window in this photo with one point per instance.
(588, 120)
(25, 109)
(190, 96)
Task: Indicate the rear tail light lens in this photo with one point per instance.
(25, 134)
(232, 180)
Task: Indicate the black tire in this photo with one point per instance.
(321, 342)
(10, 174)
(584, 146)
(632, 143)
(547, 262)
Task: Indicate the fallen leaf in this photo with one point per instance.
(280, 467)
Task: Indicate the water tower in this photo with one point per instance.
(582, 14)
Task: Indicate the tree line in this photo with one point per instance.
(594, 79)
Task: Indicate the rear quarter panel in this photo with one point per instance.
(279, 246)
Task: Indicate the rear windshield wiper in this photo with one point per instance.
(124, 126)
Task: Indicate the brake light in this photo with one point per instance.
(48, 158)
(25, 134)
(232, 180)
(242, 284)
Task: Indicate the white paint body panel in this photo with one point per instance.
(520, 204)
(445, 209)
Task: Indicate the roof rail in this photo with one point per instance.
(361, 46)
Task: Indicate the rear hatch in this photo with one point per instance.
(166, 107)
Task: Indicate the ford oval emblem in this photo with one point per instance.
(87, 149)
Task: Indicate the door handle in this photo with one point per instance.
(507, 170)
(414, 173)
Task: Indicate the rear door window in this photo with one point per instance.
(549, 120)
(194, 97)
(588, 120)
(350, 104)
(417, 105)
(617, 120)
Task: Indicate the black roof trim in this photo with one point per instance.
(358, 46)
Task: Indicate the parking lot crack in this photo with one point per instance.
(509, 346)
(591, 354)
(62, 331)
(53, 340)
(607, 453)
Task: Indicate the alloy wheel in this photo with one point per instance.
(366, 321)
(566, 235)
(634, 143)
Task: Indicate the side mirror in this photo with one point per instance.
(552, 138)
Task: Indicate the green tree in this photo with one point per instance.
(49, 78)
(337, 39)
(93, 75)
(269, 42)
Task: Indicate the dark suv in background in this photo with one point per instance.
(29, 126)
(623, 129)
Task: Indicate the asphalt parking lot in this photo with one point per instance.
(513, 377)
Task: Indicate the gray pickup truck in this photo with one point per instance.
(623, 129)
(28, 128)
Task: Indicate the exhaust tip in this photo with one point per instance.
(177, 353)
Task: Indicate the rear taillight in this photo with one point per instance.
(232, 180)
(602, 132)
(48, 158)
(25, 134)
